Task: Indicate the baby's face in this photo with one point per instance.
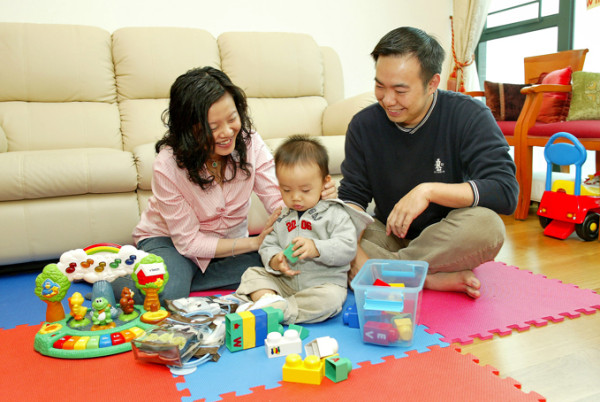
(300, 185)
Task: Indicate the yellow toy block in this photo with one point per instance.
(405, 329)
(397, 285)
(309, 371)
(249, 340)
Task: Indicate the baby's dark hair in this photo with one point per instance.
(302, 149)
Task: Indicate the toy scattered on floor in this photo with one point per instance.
(337, 368)
(104, 329)
(387, 315)
(561, 213)
(322, 347)
(307, 371)
(277, 345)
(248, 329)
(350, 317)
(302, 331)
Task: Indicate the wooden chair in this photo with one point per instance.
(530, 133)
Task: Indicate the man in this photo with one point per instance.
(435, 163)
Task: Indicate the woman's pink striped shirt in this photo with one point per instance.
(196, 219)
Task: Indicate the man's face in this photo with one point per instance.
(400, 91)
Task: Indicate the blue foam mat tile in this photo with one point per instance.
(240, 371)
(20, 305)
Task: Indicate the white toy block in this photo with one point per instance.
(322, 347)
(282, 345)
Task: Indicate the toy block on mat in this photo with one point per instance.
(337, 368)
(412, 377)
(307, 371)
(248, 329)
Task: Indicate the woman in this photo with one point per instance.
(208, 164)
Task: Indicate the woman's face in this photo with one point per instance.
(225, 124)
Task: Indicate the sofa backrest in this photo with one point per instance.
(147, 62)
(57, 88)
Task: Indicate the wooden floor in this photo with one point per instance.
(559, 361)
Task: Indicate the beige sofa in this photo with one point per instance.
(80, 111)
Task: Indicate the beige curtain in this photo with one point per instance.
(468, 20)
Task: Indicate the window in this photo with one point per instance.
(519, 28)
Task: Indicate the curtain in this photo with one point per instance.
(468, 21)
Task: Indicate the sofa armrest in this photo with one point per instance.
(337, 116)
(144, 156)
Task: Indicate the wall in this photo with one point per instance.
(351, 27)
(586, 34)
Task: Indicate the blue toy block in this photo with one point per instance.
(351, 317)
(260, 326)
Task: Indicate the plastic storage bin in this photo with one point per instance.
(387, 294)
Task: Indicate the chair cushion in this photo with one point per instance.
(585, 104)
(504, 100)
(507, 128)
(579, 128)
(555, 105)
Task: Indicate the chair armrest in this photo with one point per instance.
(337, 116)
(534, 95)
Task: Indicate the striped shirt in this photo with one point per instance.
(196, 219)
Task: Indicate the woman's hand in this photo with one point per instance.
(268, 227)
(329, 190)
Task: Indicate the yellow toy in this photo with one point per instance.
(309, 371)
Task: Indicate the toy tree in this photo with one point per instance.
(150, 277)
(51, 287)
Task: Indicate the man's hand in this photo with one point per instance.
(406, 210)
(304, 248)
(329, 190)
(279, 263)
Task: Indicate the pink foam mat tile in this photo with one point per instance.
(511, 299)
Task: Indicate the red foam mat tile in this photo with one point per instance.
(443, 374)
(27, 375)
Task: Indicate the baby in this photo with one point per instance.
(308, 253)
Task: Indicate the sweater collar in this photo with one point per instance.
(414, 129)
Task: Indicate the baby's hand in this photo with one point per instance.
(279, 263)
(305, 248)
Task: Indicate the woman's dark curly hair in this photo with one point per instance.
(189, 134)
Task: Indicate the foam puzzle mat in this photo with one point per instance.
(511, 299)
(238, 372)
(442, 374)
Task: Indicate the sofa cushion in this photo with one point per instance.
(272, 64)
(141, 121)
(579, 128)
(3, 141)
(504, 100)
(60, 125)
(55, 63)
(277, 118)
(149, 59)
(54, 173)
(144, 156)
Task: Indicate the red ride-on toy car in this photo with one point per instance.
(561, 213)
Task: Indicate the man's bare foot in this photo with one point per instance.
(461, 281)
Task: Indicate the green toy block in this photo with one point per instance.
(303, 332)
(337, 368)
(234, 332)
(274, 318)
(288, 254)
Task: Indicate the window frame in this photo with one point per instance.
(564, 21)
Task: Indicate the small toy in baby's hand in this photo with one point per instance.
(288, 253)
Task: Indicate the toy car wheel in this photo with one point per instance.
(588, 229)
(544, 221)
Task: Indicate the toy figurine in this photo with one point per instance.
(101, 315)
(78, 311)
(127, 303)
